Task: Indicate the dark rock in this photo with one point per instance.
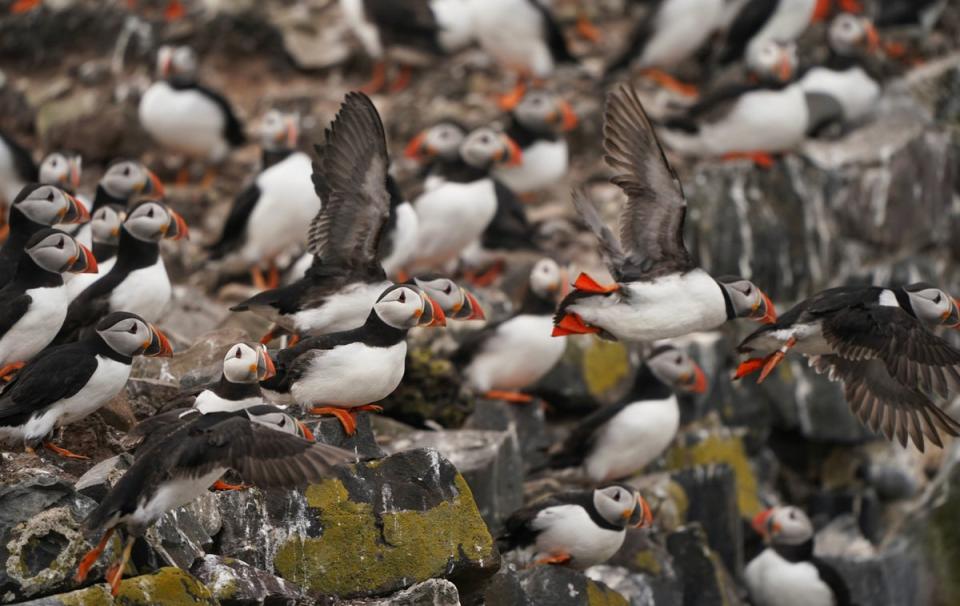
(712, 502)
(363, 442)
(235, 583)
(183, 535)
(527, 420)
(432, 592)
(560, 586)
(638, 588)
(99, 478)
(704, 579)
(430, 391)
(642, 564)
(590, 373)
(165, 586)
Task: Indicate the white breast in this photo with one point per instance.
(517, 355)
(511, 31)
(185, 121)
(455, 21)
(36, 328)
(681, 28)
(856, 91)
(79, 282)
(144, 292)
(10, 181)
(405, 238)
(762, 120)
(632, 439)
(569, 529)
(450, 217)
(544, 164)
(346, 310)
(351, 375)
(172, 494)
(773, 581)
(207, 401)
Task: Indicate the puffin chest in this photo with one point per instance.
(145, 291)
(351, 375)
(774, 581)
(570, 529)
(37, 327)
(633, 438)
(185, 120)
(544, 163)
(176, 491)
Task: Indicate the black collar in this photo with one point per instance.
(236, 391)
(104, 198)
(104, 251)
(795, 553)
(646, 386)
(134, 253)
(903, 298)
(525, 136)
(30, 275)
(269, 157)
(459, 171)
(727, 302)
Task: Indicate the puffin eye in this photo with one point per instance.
(679, 360)
(449, 289)
(616, 496)
(50, 197)
(60, 243)
(749, 291)
(150, 213)
(938, 299)
(403, 297)
(126, 171)
(133, 329)
(239, 354)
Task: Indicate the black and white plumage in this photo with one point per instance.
(787, 573)
(437, 148)
(398, 246)
(185, 116)
(457, 302)
(579, 529)
(105, 226)
(66, 383)
(244, 367)
(17, 168)
(618, 441)
(659, 292)
(780, 20)
(876, 342)
(138, 281)
(63, 170)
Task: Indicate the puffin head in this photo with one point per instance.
(541, 110)
(677, 369)
(932, 305)
(61, 170)
(404, 306)
(48, 205)
(279, 130)
(442, 140)
(127, 178)
(622, 506)
(105, 225)
(248, 364)
(176, 61)
(57, 252)
(456, 302)
(547, 279)
(152, 221)
(748, 301)
(850, 34)
(772, 61)
(130, 335)
(485, 147)
(786, 525)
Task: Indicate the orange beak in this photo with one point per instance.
(873, 38)
(568, 119)
(159, 345)
(265, 366)
(77, 212)
(698, 382)
(439, 319)
(475, 306)
(951, 317)
(785, 69)
(821, 11)
(154, 185)
(769, 315)
(292, 133)
(417, 149)
(760, 520)
(641, 516)
(75, 173)
(307, 434)
(177, 228)
(86, 263)
(514, 155)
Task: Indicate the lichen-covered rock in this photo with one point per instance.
(165, 587)
(431, 391)
(554, 585)
(183, 535)
(591, 372)
(432, 592)
(703, 577)
(381, 526)
(235, 583)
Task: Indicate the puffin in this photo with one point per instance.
(17, 168)
(346, 278)
(244, 366)
(503, 358)
(344, 373)
(185, 116)
(270, 217)
(537, 124)
(177, 469)
(33, 304)
(659, 292)
(787, 573)
(578, 529)
(105, 225)
(437, 149)
(138, 280)
(66, 383)
(619, 441)
(35, 208)
(877, 342)
(410, 33)
(457, 302)
(63, 170)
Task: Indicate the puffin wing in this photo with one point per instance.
(236, 223)
(509, 229)
(651, 224)
(58, 373)
(150, 430)
(609, 245)
(553, 35)
(22, 160)
(749, 21)
(520, 529)
(350, 176)
(12, 309)
(232, 128)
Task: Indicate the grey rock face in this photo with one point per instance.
(712, 502)
(703, 577)
(434, 592)
(527, 420)
(236, 583)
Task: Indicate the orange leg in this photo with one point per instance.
(513, 98)
(221, 485)
(560, 558)
(377, 79)
(307, 434)
(91, 557)
(402, 276)
(343, 415)
(587, 30)
(486, 277)
(183, 176)
(4, 232)
(174, 11)
(514, 397)
(403, 79)
(257, 277)
(273, 275)
(293, 340)
(367, 408)
(761, 159)
(775, 358)
(115, 574)
(63, 452)
(271, 334)
(670, 83)
(7, 372)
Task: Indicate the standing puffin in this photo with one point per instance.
(346, 372)
(244, 367)
(578, 529)
(618, 441)
(271, 216)
(138, 280)
(659, 292)
(537, 125)
(34, 303)
(35, 208)
(875, 340)
(177, 469)
(408, 32)
(17, 169)
(787, 573)
(185, 116)
(66, 383)
(503, 358)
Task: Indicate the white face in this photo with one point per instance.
(445, 292)
(56, 252)
(279, 129)
(47, 205)
(546, 279)
(483, 147)
(789, 526)
(176, 61)
(748, 300)
(245, 364)
(443, 140)
(274, 418)
(933, 306)
(57, 169)
(152, 221)
(402, 307)
(615, 504)
(849, 33)
(771, 60)
(129, 336)
(677, 369)
(124, 179)
(105, 224)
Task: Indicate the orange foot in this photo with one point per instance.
(572, 324)
(271, 334)
(268, 282)
(775, 358)
(377, 79)
(221, 485)
(510, 100)
(63, 452)
(7, 372)
(24, 6)
(761, 159)
(343, 415)
(174, 11)
(305, 431)
(670, 83)
(402, 80)
(514, 397)
(293, 340)
(115, 573)
(486, 277)
(588, 31)
(559, 558)
(748, 367)
(91, 557)
(4, 232)
(367, 408)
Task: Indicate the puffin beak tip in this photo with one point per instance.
(87, 262)
(266, 369)
(159, 344)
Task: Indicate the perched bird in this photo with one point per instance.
(876, 342)
(33, 304)
(105, 226)
(579, 529)
(618, 441)
(659, 291)
(179, 468)
(537, 125)
(270, 217)
(138, 280)
(411, 33)
(438, 149)
(17, 169)
(346, 372)
(787, 573)
(503, 358)
(239, 386)
(66, 383)
(35, 208)
(183, 115)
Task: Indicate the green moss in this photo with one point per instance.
(721, 449)
(355, 556)
(605, 364)
(166, 587)
(98, 595)
(646, 561)
(600, 595)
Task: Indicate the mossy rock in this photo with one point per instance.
(431, 390)
(165, 587)
(386, 525)
(591, 372)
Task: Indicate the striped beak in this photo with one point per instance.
(265, 367)
(951, 317)
(84, 263)
(75, 212)
(159, 345)
(470, 309)
(764, 311)
(176, 229)
(641, 515)
(153, 185)
(418, 149)
(511, 155)
(431, 314)
(694, 381)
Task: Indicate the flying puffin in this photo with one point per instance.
(437, 148)
(271, 216)
(346, 372)
(346, 277)
(66, 383)
(577, 529)
(618, 441)
(787, 573)
(17, 169)
(407, 32)
(537, 125)
(875, 341)
(659, 292)
(105, 225)
(503, 358)
(179, 468)
(138, 280)
(35, 208)
(185, 116)
(33, 304)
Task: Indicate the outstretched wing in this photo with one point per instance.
(609, 246)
